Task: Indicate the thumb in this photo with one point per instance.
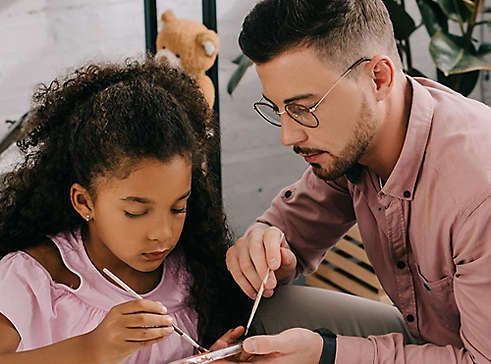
(265, 344)
(288, 258)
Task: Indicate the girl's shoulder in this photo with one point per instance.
(49, 257)
(39, 265)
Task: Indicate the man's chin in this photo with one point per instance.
(326, 174)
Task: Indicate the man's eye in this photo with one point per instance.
(297, 109)
(132, 215)
(179, 211)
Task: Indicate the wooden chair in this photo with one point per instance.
(346, 268)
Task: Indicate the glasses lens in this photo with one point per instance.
(301, 114)
(267, 112)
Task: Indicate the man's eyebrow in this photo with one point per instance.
(291, 99)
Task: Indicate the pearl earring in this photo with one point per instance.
(87, 218)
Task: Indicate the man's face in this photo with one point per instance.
(347, 121)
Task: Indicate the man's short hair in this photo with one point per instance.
(339, 30)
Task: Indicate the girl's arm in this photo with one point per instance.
(127, 328)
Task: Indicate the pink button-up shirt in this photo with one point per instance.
(427, 232)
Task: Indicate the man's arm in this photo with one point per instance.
(293, 235)
(471, 242)
(314, 215)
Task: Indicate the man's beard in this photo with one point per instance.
(363, 133)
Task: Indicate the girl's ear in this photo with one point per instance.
(81, 201)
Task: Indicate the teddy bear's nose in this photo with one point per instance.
(178, 56)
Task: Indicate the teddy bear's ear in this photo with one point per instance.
(209, 41)
(167, 16)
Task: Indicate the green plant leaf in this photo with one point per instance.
(451, 57)
(433, 17)
(463, 83)
(470, 5)
(404, 25)
(237, 59)
(415, 73)
(243, 65)
(448, 7)
(484, 48)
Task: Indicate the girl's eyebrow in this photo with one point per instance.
(184, 196)
(137, 199)
(147, 201)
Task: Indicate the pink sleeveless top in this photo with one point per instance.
(45, 312)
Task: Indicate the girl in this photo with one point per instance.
(113, 178)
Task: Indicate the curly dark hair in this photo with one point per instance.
(101, 120)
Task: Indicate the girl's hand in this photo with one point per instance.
(229, 338)
(129, 327)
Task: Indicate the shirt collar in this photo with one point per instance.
(401, 182)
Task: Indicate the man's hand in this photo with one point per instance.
(262, 248)
(293, 346)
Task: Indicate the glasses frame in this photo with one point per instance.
(307, 109)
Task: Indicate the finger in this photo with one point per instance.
(227, 339)
(143, 320)
(271, 282)
(257, 255)
(234, 269)
(268, 293)
(146, 334)
(249, 270)
(266, 344)
(142, 305)
(272, 240)
(288, 258)
(140, 344)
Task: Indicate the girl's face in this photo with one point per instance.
(137, 221)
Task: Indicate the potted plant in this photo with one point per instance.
(458, 58)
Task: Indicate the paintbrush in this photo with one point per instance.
(256, 302)
(128, 289)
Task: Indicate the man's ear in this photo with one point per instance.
(382, 72)
(81, 201)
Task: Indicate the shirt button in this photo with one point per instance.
(410, 318)
(407, 194)
(401, 264)
(288, 194)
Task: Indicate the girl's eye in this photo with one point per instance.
(130, 215)
(179, 211)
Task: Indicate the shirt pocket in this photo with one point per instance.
(439, 294)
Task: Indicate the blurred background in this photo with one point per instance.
(42, 39)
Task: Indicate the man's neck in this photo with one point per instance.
(387, 144)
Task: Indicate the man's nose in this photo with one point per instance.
(291, 132)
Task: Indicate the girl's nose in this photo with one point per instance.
(161, 230)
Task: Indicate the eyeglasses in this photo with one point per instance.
(301, 114)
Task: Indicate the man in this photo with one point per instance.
(407, 159)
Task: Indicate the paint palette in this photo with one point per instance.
(211, 356)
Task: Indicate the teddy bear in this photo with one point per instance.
(191, 46)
